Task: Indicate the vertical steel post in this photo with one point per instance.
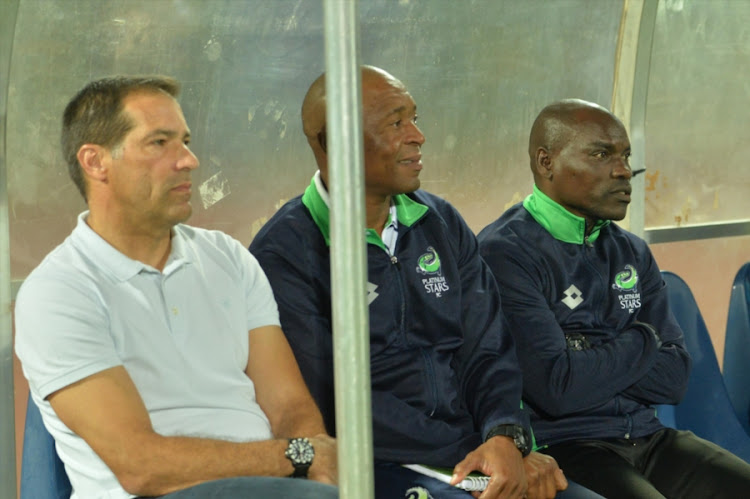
(629, 95)
(638, 139)
(351, 337)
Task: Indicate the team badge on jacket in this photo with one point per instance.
(626, 282)
(429, 265)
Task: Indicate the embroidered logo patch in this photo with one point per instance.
(371, 294)
(626, 281)
(417, 493)
(429, 265)
(573, 297)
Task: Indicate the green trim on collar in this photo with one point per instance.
(562, 224)
(408, 211)
(372, 237)
(318, 209)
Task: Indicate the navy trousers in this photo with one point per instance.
(667, 464)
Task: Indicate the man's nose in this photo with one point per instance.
(622, 169)
(416, 134)
(188, 159)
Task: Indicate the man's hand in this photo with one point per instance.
(324, 467)
(499, 459)
(543, 475)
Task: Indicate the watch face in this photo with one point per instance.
(300, 451)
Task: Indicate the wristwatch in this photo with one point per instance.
(517, 432)
(301, 453)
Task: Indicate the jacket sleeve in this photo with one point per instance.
(666, 381)
(304, 312)
(557, 380)
(488, 370)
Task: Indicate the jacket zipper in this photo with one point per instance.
(430, 376)
(399, 278)
(587, 248)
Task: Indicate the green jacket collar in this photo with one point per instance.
(317, 201)
(562, 224)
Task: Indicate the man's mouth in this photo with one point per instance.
(622, 193)
(412, 160)
(183, 187)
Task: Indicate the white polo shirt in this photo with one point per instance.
(182, 335)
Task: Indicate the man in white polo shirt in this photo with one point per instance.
(152, 348)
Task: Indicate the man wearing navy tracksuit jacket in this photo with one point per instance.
(446, 387)
(434, 369)
(587, 307)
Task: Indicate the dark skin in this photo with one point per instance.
(392, 150)
(579, 155)
(392, 140)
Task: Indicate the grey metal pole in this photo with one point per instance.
(638, 112)
(351, 336)
(9, 9)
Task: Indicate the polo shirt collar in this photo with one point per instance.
(113, 261)
(317, 201)
(559, 222)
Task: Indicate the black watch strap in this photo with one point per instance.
(518, 433)
(300, 452)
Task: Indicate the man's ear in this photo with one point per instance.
(93, 161)
(543, 163)
(323, 140)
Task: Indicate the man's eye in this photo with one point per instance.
(160, 142)
(415, 118)
(601, 154)
(397, 123)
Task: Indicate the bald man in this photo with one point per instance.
(587, 308)
(445, 381)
